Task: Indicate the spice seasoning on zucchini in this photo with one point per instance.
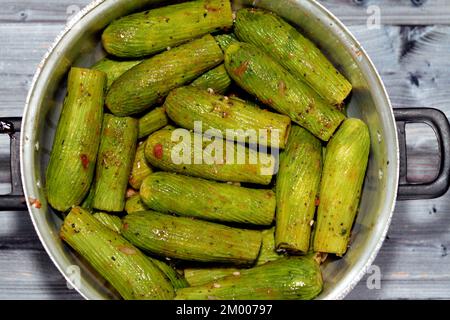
(152, 121)
(293, 51)
(297, 186)
(114, 68)
(162, 149)
(186, 105)
(189, 239)
(135, 204)
(148, 83)
(145, 33)
(116, 154)
(216, 79)
(340, 191)
(126, 268)
(141, 169)
(72, 160)
(193, 197)
(295, 278)
(273, 85)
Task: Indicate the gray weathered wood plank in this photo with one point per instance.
(414, 261)
(31, 11)
(29, 274)
(399, 12)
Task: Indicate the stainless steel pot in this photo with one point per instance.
(79, 45)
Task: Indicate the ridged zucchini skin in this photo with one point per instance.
(152, 121)
(135, 204)
(189, 239)
(293, 51)
(186, 105)
(110, 221)
(340, 190)
(216, 79)
(114, 68)
(297, 186)
(295, 278)
(263, 77)
(125, 267)
(199, 198)
(268, 252)
(159, 148)
(115, 159)
(74, 153)
(86, 204)
(141, 169)
(114, 223)
(149, 82)
(145, 33)
(200, 276)
(225, 40)
(178, 281)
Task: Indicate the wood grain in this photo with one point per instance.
(399, 12)
(413, 62)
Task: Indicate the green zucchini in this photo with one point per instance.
(293, 51)
(135, 204)
(149, 82)
(141, 169)
(116, 154)
(193, 197)
(340, 190)
(216, 79)
(295, 278)
(114, 68)
(201, 276)
(178, 151)
(267, 252)
(189, 239)
(88, 200)
(186, 105)
(125, 267)
(114, 223)
(152, 121)
(297, 186)
(145, 33)
(178, 281)
(263, 77)
(110, 221)
(72, 160)
(225, 40)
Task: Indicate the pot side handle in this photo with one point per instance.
(437, 120)
(15, 200)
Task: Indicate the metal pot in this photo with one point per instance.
(79, 45)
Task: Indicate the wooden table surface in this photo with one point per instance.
(411, 49)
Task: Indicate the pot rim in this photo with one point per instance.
(29, 125)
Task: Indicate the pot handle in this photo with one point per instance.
(15, 200)
(437, 120)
